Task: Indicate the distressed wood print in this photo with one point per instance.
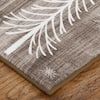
(78, 46)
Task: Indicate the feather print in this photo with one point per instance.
(36, 27)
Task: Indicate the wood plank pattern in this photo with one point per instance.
(78, 47)
(86, 86)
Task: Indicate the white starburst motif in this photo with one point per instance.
(35, 29)
(48, 72)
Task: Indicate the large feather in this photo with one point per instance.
(35, 28)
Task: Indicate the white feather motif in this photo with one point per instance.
(37, 27)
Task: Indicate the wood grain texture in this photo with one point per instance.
(78, 47)
(10, 5)
(86, 86)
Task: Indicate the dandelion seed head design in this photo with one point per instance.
(49, 73)
(35, 28)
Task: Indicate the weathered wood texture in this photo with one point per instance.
(78, 47)
(10, 5)
(86, 86)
